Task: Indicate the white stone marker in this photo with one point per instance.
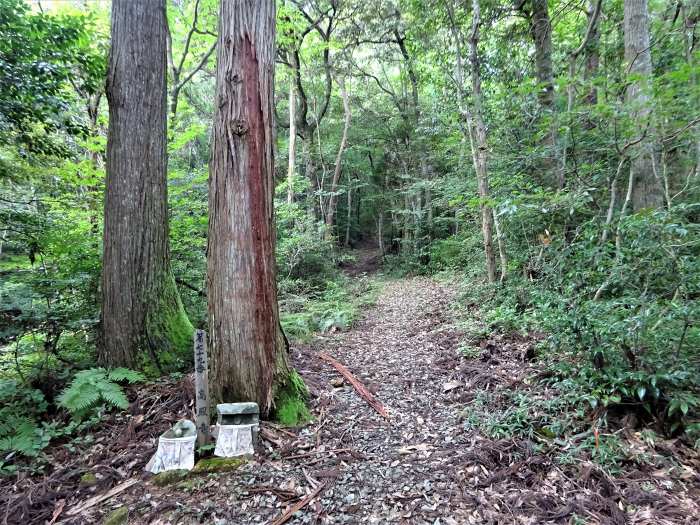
(175, 448)
(236, 429)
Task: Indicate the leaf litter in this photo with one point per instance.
(351, 465)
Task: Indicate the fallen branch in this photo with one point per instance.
(298, 506)
(102, 497)
(359, 387)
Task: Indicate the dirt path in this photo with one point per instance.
(424, 466)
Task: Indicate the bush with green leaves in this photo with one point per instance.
(621, 322)
(97, 387)
(20, 409)
(305, 260)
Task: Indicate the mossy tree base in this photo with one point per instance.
(291, 398)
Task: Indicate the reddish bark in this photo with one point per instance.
(248, 353)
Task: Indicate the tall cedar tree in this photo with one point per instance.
(248, 355)
(141, 308)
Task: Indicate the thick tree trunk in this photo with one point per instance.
(292, 141)
(248, 358)
(141, 309)
(646, 191)
(330, 210)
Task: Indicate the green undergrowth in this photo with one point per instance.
(334, 307)
(600, 375)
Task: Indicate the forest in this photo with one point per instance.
(449, 248)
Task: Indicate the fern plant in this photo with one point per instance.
(95, 387)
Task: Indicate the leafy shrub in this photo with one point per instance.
(621, 324)
(302, 252)
(20, 408)
(97, 386)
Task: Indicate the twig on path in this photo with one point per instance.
(298, 506)
(102, 497)
(359, 387)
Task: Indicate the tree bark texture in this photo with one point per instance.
(248, 357)
(646, 191)
(141, 308)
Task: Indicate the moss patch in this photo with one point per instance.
(213, 465)
(88, 479)
(290, 401)
(117, 517)
(169, 477)
(168, 333)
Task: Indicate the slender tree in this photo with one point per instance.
(645, 189)
(476, 129)
(291, 169)
(141, 308)
(248, 357)
(332, 199)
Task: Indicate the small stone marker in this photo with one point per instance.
(175, 448)
(201, 386)
(237, 429)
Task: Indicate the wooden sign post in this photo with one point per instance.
(201, 386)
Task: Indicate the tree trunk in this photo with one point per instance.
(480, 145)
(503, 256)
(141, 308)
(309, 173)
(248, 358)
(541, 32)
(591, 46)
(476, 128)
(646, 192)
(347, 225)
(292, 141)
(690, 19)
(330, 211)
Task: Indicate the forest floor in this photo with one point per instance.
(422, 465)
